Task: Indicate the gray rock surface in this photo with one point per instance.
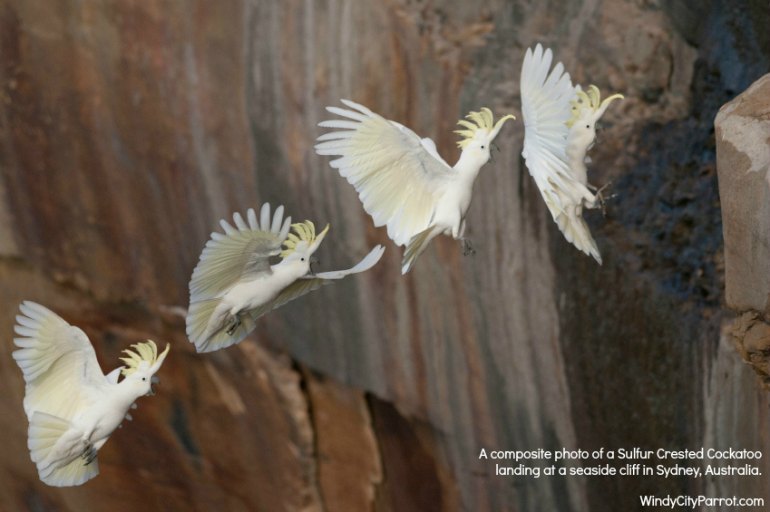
(743, 159)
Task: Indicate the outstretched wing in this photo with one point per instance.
(242, 251)
(398, 176)
(546, 108)
(312, 282)
(57, 360)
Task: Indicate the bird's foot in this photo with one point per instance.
(235, 322)
(89, 454)
(468, 249)
(599, 192)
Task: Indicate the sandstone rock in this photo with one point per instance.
(751, 337)
(743, 162)
(349, 468)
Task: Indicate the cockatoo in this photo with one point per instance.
(234, 282)
(401, 179)
(71, 406)
(559, 128)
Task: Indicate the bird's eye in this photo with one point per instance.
(588, 126)
(144, 379)
(302, 259)
(482, 147)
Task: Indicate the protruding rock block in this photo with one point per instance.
(743, 163)
(752, 340)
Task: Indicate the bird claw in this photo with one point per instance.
(89, 454)
(600, 196)
(234, 324)
(468, 249)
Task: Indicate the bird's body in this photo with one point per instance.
(402, 181)
(105, 410)
(456, 198)
(234, 282)
(253, 292)
(452, 203)
(95, 421)
(579, 140)
(71, 406)
(559, 129)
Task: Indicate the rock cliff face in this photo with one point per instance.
(743, 138)
(127, 129)
(743, 156)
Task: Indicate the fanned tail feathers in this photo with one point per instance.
(207, 328)
(416, 246)
(566, 203)
(576, 231)
(51, 442)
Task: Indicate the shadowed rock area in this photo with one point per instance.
(128, 129)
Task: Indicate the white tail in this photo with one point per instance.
(416, 246)
(55, 448)
(207, 327)
(576, 231)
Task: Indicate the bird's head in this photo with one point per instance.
(141, 365)
(478, 131)
(300, 245)
(587, 109)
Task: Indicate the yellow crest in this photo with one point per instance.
(484, 120)
(303, 232)
(591, 101)
(144, 352)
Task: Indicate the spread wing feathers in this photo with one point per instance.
(546, 108)
(56, 448)
(57, 360)
(398, 176)
(243, 250)
(307, 284)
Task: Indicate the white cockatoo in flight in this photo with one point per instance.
(235, 283)
(400, 178)
(72, 407)
(559, 128)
